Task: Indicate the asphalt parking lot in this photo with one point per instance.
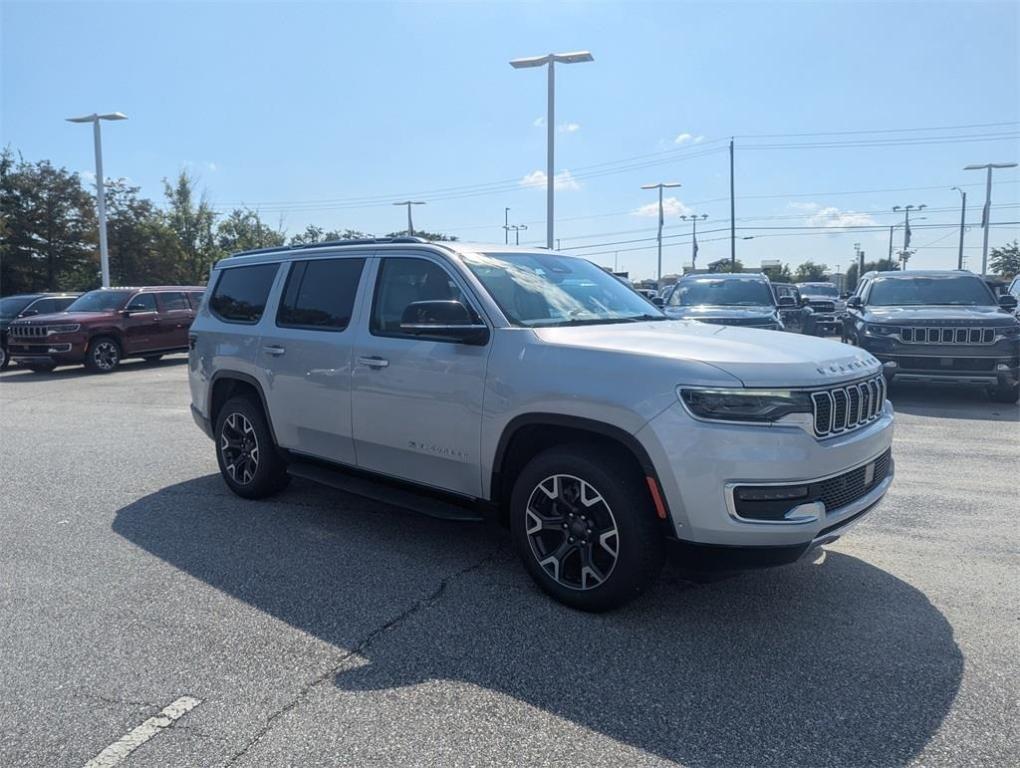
(323, 629)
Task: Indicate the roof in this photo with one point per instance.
(724, 276)
(43, 295)
(152, 288)
(906, 275)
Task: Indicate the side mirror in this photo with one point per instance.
(786, 302)
(658, 301)
(443, 320)
(29, 313)
(845, 295)
(1008, 302)
(854, 302)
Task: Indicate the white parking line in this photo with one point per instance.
(133, 739)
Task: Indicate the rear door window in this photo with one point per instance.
(173, 301)
(241, 293)
(196, 299)
(320, 294)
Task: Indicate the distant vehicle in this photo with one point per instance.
(1014, 291)
(827, 308)
(102, 327)
(532, 387)
(648, 293)
(793, 317)
(27, 305)
(938, 326)
(743, 299)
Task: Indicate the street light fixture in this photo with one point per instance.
(517, 232)
(410, 224)
(104, 256)
(986, 214)
(660, 186)
(694, 236)
(551, 59)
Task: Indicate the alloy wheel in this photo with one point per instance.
(105, 355)
(239, 448)
(572, 532)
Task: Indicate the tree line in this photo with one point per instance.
(49, 231)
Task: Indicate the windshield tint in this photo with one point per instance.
(949, 290)
(818, 289)
(727, 293)
(544, 290)
(12, 306)
(100, 301)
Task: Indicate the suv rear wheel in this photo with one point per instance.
(103, 354)
(249, 462)
(586, 530)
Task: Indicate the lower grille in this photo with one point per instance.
(936, 364)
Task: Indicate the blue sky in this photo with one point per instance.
(326, 113)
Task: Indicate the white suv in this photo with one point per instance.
(536, 388)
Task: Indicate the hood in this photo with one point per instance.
(717, 312)
(758, 358)
(66, 317)
(937, 315)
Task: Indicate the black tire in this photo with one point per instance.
(152, 358)
(5, 359)
(40, 367)
(1002, 393)
(248, 459)
(587, 575)
(103, 354)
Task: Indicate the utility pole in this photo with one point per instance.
(905, 253)
(660, 186)
(859, 256)
(410, 224)
(733, 220)
(986, 215)
(506, 226)
(963, 222)
(694, 236)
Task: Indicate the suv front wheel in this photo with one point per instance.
(103, 355)
(585, 527)
(249, 462)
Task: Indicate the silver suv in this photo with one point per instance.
(537, 389)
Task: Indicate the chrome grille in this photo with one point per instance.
(28, 331)
(822, 306)
(842, 409)
(936, 335)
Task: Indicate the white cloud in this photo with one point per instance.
(89, 177)
(832, 217)
(212, 167)
(684, 138)
(538, 122)
(568, 127)
(563, 180)
(671, 208)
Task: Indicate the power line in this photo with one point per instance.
(875, 130)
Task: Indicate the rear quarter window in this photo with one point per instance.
(241, 293)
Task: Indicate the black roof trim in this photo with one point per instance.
(332, 243)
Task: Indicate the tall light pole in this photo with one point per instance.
(904, 255)
(694, 236)
(660, 186)
(986, 214)
(104, 256)
(506, 226)
(963, 223)
(410, 224)
(540, 61)
(517, 232)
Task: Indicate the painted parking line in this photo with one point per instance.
(133, 739)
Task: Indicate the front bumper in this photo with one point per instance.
(997, 363)
(43, 352)
(700, 463)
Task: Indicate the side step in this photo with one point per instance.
(387, 493)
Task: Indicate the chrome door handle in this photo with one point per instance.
(274, 349)
(373, 362)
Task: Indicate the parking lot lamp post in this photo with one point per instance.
(517, 232)
(104, 256)
(660, 186)
(410, 224)
(551, 60)
(904, 255)
(963, 223)
(987, 212)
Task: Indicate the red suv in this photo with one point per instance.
(104, 326)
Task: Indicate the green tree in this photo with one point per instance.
(192, 223)
(314, 234)
(809, 272)
(1005, 261)
(47, 228)
(434, 237)
(882, 265)
(244, 230)
(143, 248)
(725, 265)
(780, 274)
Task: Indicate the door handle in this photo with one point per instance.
(274, 349)
(373, 362)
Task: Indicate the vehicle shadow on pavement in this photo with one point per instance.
(950, 401)
(830, 661)
(15, 374)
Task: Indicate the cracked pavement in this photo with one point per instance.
(323, 629)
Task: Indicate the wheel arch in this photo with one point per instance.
(527, 434)
(225, 384)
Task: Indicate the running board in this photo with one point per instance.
(384, 492)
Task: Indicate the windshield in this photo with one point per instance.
(726, 293)
(818, 289)
(950, 290)
(547, 290)
(99, 301)
(11, 307)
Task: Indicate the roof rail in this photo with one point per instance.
(330, 243)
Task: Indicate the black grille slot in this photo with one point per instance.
(839, 411)
(854, 414)
(823, 412)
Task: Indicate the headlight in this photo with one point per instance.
(53, 330)
(879, 330)
(1009, 333)
(755, 405)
